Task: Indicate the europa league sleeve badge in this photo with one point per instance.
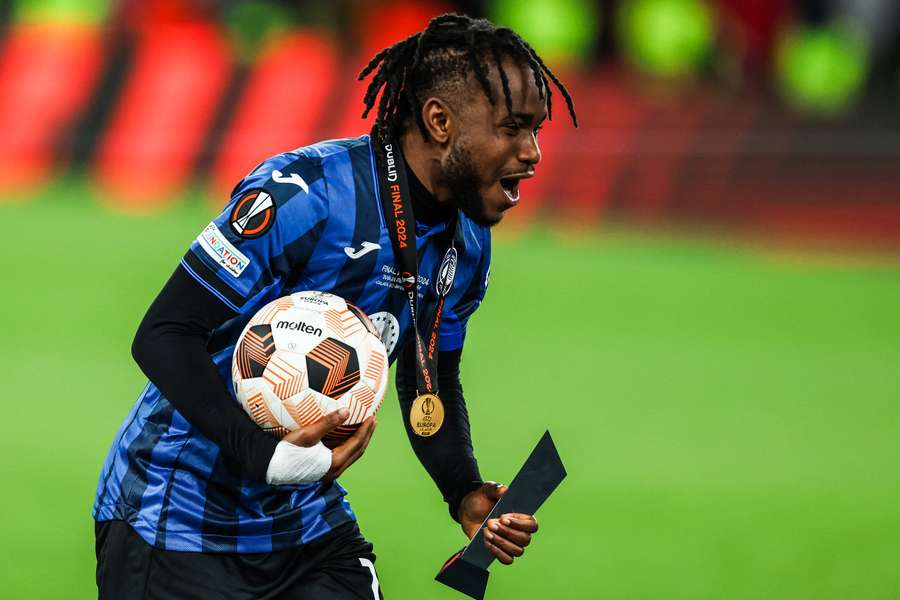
(426, 415)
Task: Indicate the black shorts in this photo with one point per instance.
(339, 565)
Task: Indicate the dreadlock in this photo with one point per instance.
(439, 59)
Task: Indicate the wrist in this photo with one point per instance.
(259, 450)
(292, 465)
(454, 503)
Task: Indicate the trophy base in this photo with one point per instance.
(464, 577)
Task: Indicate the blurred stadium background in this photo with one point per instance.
(704, 278)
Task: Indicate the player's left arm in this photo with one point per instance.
(450, 461)
(448, 455)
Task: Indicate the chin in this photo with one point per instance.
(494, 216)
(495, 220)
(484, 206)
(484, 217)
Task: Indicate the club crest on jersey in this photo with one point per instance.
(446, 273)
(253, 214)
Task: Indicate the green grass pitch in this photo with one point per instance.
(730, 420)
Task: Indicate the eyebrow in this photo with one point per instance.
(527, 117)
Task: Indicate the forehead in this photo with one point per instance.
(524, 93)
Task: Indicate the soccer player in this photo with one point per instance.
(196, 501)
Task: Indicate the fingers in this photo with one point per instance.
(503, 528)
(503, 550)
(313, 434)
(519, 521)
(507, 537)
(493, 490)
(317, 430)
(356, 447)
(347, 453)
(360, 438)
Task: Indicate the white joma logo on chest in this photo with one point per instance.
(366, 248)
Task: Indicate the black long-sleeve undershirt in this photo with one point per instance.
(170, 347)
(447, 455)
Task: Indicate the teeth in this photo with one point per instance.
(512, 198)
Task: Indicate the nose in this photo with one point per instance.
(530, 151)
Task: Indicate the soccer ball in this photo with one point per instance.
(305, 355)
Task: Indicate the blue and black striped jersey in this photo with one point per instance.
(310, 219)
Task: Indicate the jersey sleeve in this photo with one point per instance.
(268, 230)
(466, 300)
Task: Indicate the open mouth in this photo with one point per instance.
(510, 184)
(510, 187)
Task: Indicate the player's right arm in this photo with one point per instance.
(171, 348)
(266, 233)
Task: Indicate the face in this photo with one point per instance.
(491, 152)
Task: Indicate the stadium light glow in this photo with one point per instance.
(62, 11)
(560, 30)
(821, 69)
(665, 38)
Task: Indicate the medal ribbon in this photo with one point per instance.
(398, 214)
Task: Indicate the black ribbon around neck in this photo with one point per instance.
(401, 222)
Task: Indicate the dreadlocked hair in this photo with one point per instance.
(438, 60)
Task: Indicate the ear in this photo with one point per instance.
(439, 120)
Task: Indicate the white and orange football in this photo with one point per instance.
(305, 355)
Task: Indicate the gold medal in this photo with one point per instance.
(426, 415)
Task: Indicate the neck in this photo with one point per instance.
(423, 172)
(425, 163)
